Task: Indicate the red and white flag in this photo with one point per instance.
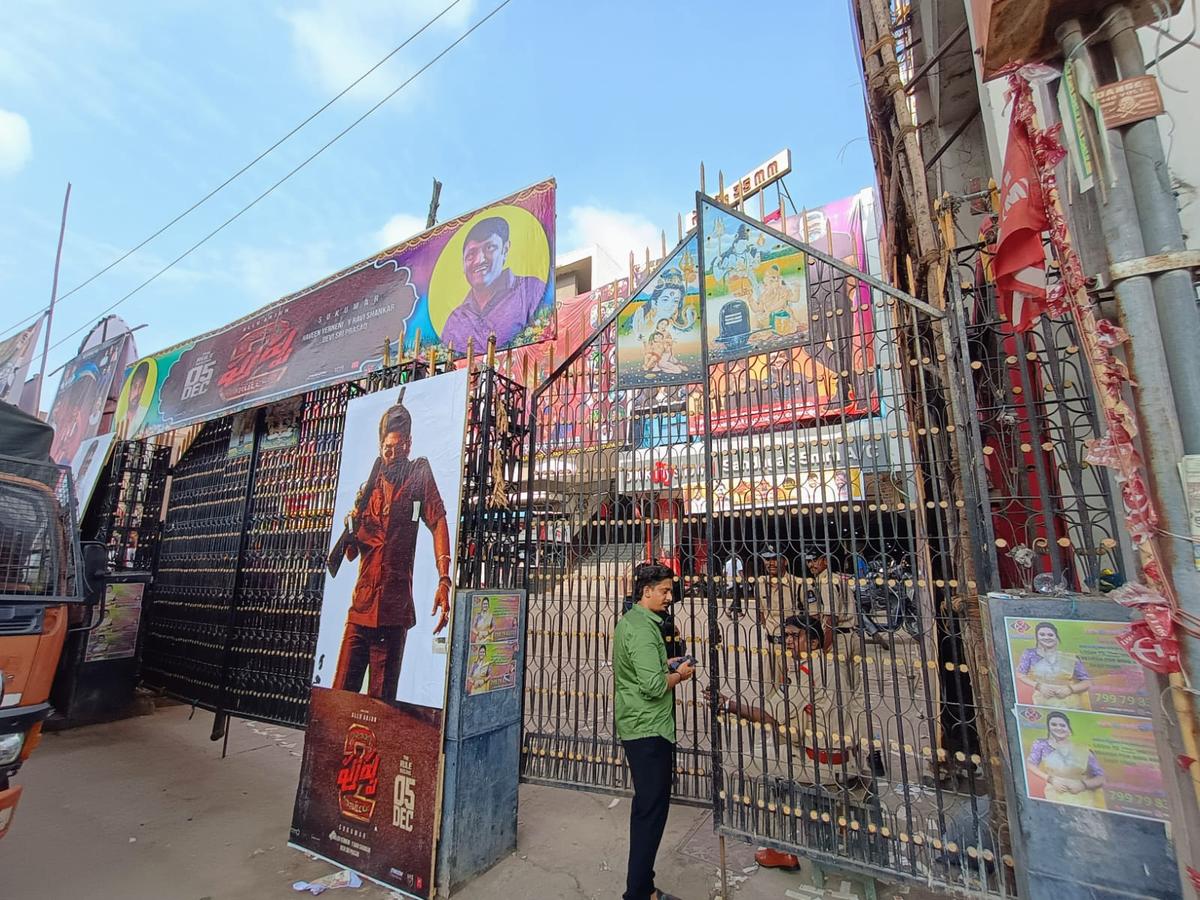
(1020, 262)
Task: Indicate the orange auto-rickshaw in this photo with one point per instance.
(40, 580)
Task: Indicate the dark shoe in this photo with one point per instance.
(775, 859)
(878, 769)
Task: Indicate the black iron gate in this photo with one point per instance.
(809, 497)
(233, 611)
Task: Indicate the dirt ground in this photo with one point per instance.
(146, 809)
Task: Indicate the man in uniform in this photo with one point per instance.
(809, 720)
(399, 495)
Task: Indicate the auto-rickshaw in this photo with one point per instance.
(40, 580)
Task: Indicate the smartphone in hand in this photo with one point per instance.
(674, 664)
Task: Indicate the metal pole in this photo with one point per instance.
(1162, 233)
(62, 230)
(1162, 445)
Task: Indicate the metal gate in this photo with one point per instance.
(233, 611)
(806, 490)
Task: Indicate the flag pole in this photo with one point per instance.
(62, 230)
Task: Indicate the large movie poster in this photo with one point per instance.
(78, 406)
(368, 787)
(16, 353)
(658, 331)
(488, 272)
(762, 295)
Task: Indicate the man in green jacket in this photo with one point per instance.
(645, 717)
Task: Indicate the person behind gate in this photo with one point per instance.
(645, 717)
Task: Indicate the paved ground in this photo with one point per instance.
(146, 809)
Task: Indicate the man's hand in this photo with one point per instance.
(441, 600)
(685, 671)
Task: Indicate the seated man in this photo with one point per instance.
(809, 720)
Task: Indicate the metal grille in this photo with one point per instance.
(128, 520)
(188, 604)
(236, 601)
(39, 546)
(817, 481)
(1052, 513)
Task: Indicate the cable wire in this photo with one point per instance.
(224, 184)
(272, 188)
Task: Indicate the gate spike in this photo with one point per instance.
(491, 353)
(647, 260)
(762, 205)
(664, 244)
(679, 222)
(417, 346)
(632, 276)
(702, 190)
(721, 185)
(400, 346)
(471, 353)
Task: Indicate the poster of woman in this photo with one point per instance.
(1070, 664)
(1091, 760)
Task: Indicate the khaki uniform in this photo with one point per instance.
(817, 709)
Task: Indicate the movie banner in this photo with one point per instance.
(86, 468)
(488, 272)
(762, 294)
(370, 775)
(658, 330)
(87, 382)
(16, 353)
(1092, 760)
(1075, 664)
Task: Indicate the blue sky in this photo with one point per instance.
(145, 107)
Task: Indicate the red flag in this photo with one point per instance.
(1020, 263)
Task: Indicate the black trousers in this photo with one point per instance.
(650, 763)
(380, 649)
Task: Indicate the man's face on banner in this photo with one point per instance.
(395, 447)
(484, 260)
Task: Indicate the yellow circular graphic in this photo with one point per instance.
(131, 412)
(528, 254)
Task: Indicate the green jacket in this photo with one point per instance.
(645, 705)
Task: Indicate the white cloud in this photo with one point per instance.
(398, 228)
(338, 40)
(16, 145)
(613, 231)
(268, 274)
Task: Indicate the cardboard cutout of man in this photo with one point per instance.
(398, 496)
(498, 301)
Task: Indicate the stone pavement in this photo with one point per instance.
(146, 809)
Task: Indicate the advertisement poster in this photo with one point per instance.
(86, 468)
(658, 331)
(487, 272)
(381, 660)
(1092, 760)
(78, 406)
(16, 353)
(241, 435)
(369, 788)
(282, 425)
(762, 295)
(492, 651)
(1073, 664)
(116, 635)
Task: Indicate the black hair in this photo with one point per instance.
(485, 228)
(1059, 715)
(647, 574)
(1040, 625)
(811, 627)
